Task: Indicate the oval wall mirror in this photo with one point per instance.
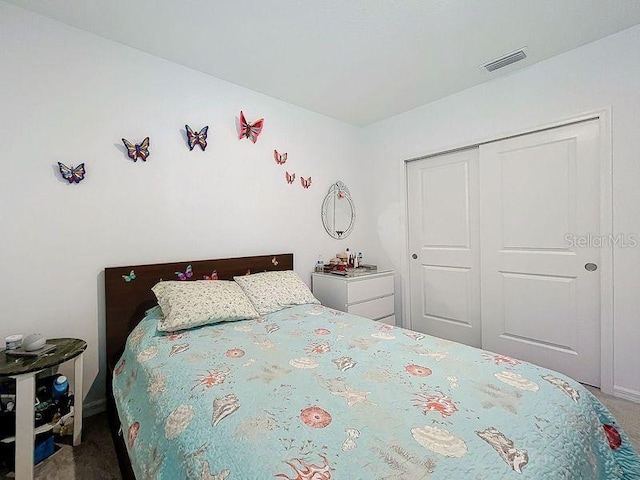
(338, 211)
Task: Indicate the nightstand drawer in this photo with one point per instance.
(361, 290)
(374, 309)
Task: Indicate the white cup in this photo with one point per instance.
(12, 342)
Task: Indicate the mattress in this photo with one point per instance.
(311, 393)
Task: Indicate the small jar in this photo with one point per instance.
(13, 342)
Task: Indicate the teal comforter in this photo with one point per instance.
(309, 393)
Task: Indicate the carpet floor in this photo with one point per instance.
(626, 413)
(95, 458)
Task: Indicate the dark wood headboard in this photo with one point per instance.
(126, 302)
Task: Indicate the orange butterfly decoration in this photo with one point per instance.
(213, 276)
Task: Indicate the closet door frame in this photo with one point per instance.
(603, 116)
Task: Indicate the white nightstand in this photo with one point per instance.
(370, 295)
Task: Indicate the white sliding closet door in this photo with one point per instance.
(443, 237)
(539, 199)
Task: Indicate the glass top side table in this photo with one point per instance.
(24, 371)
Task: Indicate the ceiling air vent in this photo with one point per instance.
(508, 59)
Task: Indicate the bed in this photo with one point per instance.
(311, 393)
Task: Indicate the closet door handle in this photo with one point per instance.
(590, 267)
(414, 256)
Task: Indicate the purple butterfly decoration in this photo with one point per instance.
(71, 174)
(197, 138)
(138, 150)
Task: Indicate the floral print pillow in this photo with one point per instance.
(273, 291)
(193, 304)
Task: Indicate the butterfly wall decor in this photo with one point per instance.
(128, 278)
(250, 130)
(213, 276)
(290, 177)
(280, 158)
(71, 174)
(139, 150)
(197, 138)
(188, 273)
(306, 182)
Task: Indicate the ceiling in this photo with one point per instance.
(359, 61)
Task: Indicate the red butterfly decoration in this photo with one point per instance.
(280, 159)
(214, 276)
(290, 177)
(306, 183)
(250, 130)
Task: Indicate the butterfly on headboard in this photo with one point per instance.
(250, 130)
(131, 276)
(72, 174)
(139, 150)
(188, 273)
(213, 276)
(197, 138)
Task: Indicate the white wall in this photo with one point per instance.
(601, 74)
(69, 96)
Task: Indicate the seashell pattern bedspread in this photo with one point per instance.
(310, 393)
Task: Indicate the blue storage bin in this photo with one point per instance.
(43, 450)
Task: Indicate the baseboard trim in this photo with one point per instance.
(93, 408)
(626, 393)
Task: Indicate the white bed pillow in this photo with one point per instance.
(273, 291)
(193, 304)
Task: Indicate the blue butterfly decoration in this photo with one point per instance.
(131, 276)
(71, 174)
(188, 273)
